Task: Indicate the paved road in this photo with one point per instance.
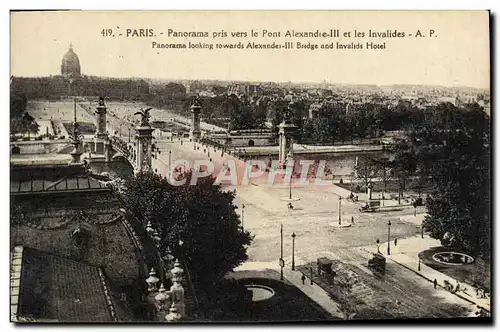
(310, 219)
(316, 238)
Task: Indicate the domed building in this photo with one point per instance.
(70, 65)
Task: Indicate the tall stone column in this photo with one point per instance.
(144, 139)
(195, 120)
(286, 131)
(101, 135)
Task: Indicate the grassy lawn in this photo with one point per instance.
(84, 127)
(478, 272)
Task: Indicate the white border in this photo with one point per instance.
(190, 4)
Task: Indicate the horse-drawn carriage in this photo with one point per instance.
(370, 206)
(377, 263)
(325, 268)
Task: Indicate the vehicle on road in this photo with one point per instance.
(370, 206)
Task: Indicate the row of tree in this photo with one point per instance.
(448, 152)
(452, 152)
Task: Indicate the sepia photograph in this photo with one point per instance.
(258, 166)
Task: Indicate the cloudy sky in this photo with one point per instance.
(458, 54)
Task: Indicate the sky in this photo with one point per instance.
(457, 55)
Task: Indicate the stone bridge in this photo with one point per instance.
(122, 149)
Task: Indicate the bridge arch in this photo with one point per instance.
(119, 155)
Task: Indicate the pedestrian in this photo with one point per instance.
(352, 220)
(303, 278)
(395, 242)
(435, 283)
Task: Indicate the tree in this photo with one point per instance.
(385, 166)
(203, 216)
(18, 103)
(404, 164)
(241, 117)
(455, 157)
(366, 170)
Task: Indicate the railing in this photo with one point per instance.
(122, 147)
(208, 141)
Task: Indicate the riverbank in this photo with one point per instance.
(301, 149)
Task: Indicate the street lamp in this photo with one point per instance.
(422, 230)
(389, 238)
(419, 263)
(340, 210)
(169, 163)
(282, 262)
(293, 251)
(289, 160)
(243, 217)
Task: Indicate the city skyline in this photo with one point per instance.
(49, 35)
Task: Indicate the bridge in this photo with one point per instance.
(122, 149)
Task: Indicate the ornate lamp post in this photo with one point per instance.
(293, 251)
(289, 161)
(242, 217)
(169, 162)
(282, 262)
(340, 210)
(389, 238)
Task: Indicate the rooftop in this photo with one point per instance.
(53, 288)
(109, 245)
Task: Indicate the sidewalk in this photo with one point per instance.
(314, 292)
(406, 255)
